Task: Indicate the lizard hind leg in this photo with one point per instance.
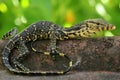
(23, 53)
(10, 34)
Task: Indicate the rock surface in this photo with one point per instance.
(98, 60)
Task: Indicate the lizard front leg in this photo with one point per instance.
(54, 53)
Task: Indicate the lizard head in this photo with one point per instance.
(99, 25)
(88, 27)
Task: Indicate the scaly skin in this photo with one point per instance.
(48, 30)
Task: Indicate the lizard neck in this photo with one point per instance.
(77, 31)
(72, 34)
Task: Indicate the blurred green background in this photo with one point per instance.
(21, 13)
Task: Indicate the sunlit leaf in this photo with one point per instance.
(108, 33)
(25, 3)
(67, 25)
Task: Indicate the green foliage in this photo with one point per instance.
(21, 13)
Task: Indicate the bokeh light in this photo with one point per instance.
(21, 13)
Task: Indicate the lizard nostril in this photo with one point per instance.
(113, 27)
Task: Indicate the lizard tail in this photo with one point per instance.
(6, 54)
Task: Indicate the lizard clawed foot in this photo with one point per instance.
(20, 67)
(54, 54)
